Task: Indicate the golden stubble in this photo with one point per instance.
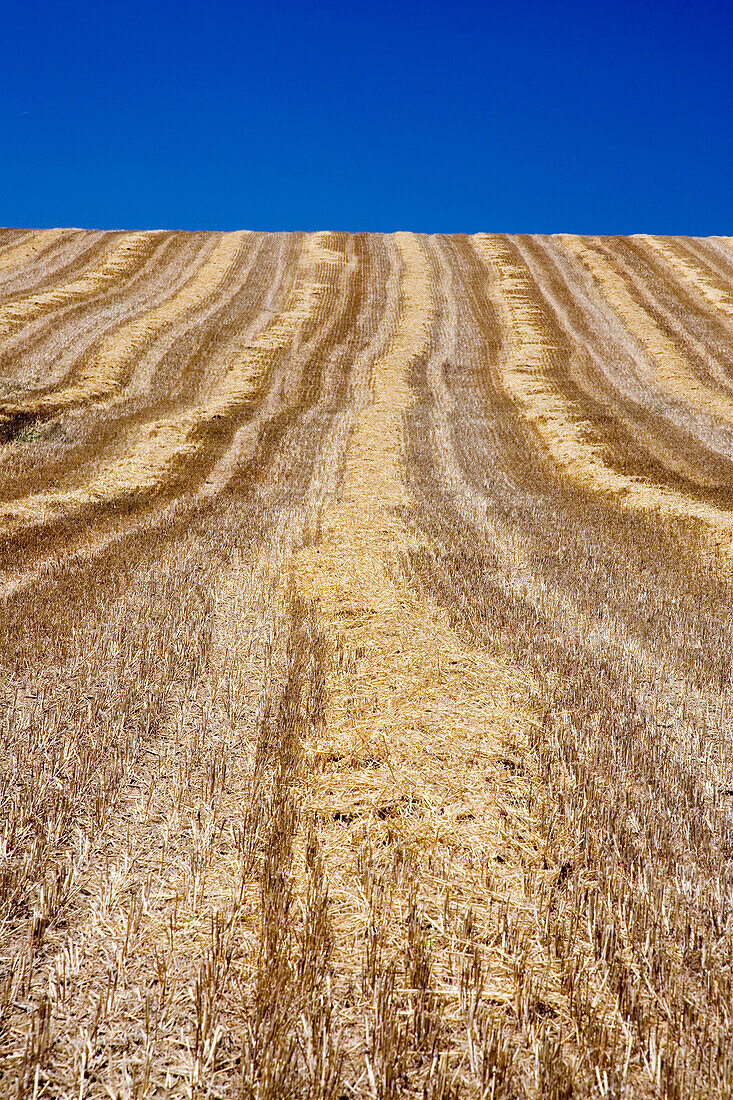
(416, 717)
(161, 874)
(26, 251)
(672, 372)
(572, 443)
(119, 260)
(160, 444)
(118, 351)
(701, 281)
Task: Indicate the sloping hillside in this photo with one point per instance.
(365, 666)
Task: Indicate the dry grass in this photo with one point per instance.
(366, 721)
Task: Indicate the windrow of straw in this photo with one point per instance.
(365, 669)
(526, 375)
(686, 268)
(124, 253)
(671, 370)
(26, 250)
(104, 370)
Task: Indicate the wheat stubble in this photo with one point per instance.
(365, 667)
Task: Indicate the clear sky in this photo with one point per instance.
(519, 116)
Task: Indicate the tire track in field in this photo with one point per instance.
(146, 850)
(165, 867)
(525, 373)
(532, 571)
(419, 718)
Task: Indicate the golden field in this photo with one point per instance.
(365, 665)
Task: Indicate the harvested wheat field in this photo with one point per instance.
(366, 678)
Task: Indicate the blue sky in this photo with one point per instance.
(439, 117)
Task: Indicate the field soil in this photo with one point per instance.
(365, 666)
